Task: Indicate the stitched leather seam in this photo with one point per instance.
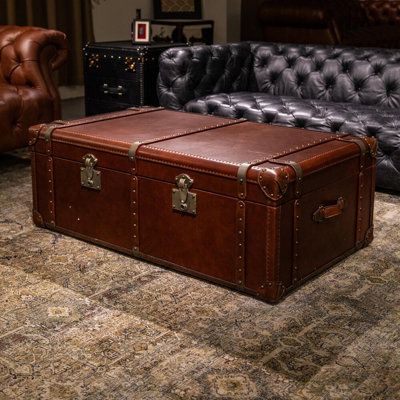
(91, 146)
(106, 140)
(256, 161)
(278, 243)
(187, 167)
(194, 156)
(267, 244)
(323, 154)
(113, 115)
(185, 133)
(84, 135)
(91, 120)
(257, 168)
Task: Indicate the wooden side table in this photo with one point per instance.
(119, 75)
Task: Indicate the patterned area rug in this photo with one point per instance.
(81, 322)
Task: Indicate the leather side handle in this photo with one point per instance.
(327, 212)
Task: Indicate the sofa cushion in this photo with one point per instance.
(380, 122)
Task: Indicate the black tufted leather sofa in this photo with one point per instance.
(324, 88)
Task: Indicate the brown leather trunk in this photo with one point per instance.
(255, 207)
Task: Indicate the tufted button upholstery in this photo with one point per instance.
(28, 95)
(336, 89)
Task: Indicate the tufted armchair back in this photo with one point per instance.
(28, 94)
(382, 11)
(26, 54)
(339, 74)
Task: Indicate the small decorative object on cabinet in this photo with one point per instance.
(204, 33)
(119, 75)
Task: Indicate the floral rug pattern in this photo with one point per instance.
(81, 322)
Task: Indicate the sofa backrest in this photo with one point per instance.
(340, 74)
(190, 72)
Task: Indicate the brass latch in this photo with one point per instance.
(182, 199)
(90, 178)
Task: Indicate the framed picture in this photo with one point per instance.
(141, 31)
(177, 9)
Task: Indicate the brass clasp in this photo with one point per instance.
(90, 178)
(182, 199)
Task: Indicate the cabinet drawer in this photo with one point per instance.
(111, 89)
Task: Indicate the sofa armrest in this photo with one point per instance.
(29, 55)
(190, 72)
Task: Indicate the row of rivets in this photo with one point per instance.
(304, 146)
(359, 204)
(51, 189)
(240, 242)
(135, 214)
(296, 240)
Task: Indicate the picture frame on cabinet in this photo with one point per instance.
(141, 31)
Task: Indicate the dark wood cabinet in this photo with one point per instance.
(119, 75)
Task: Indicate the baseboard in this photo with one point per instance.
(71, 92)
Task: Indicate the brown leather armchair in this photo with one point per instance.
(28, 94)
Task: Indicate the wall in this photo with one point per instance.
(112, 18)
